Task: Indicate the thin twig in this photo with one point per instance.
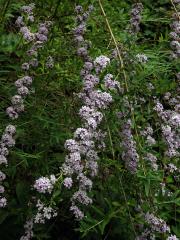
(175, 9)
(115, 43)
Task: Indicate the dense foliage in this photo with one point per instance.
(90, 117)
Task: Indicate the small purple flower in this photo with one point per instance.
(78, 9)
(71, 145)
(172, 237)
(8, 140)
(19, 22)
(23, 91)
(141, 58)
(28, 9)
(18, 83)
(19, 108)
(12, 113)
(79, 215)
(3, 202)
(27, 81)
(2, 176)
(81, 197)
(49, 62)
(82, 52)
(135, 18)
(16, 99)
(80, 30)
(10, 129)
(33, 62)
(156, 224)
(24, 30)
(44, 184)
(150, 140)
(1, 189)
(41, 37)
(32, 52)
(88, 66)
(28, 226)
(3, 160)
(43, 29)
(153, 160)
(171, 168)
(30, 18)
(79, 39)
(110, 83)
(4, 152)
(28, 36)
(68, 182)
(25, 66)
(101, 62)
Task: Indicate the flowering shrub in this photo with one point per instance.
(90, 120)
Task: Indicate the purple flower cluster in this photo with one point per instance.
(129, 154)
(49, 62)
(100, 63)
(148, 132)
(20, 22)
(28, 227)
(170, 125)
(44, 184)
(150, 141)
(175, 34)
(141, 58)
(111, 84)
(37, 39)
(28, 11)
(172, 237)
(173, 100)
(44, 212)
(171, 168)
(146, 234)
(156, 224)
(135, 18)
(152, 159)
(7, 141)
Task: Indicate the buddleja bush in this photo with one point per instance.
(90, 120)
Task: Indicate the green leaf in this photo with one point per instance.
(3, 216)
(22, 192)
(147, 187)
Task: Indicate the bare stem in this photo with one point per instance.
(115, 43)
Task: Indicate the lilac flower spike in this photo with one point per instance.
(28, 226)
(175, 34)
(82, 156)
(169, 127)
(23, 86)
(135, 18)
(129, 155)
(155, 225)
